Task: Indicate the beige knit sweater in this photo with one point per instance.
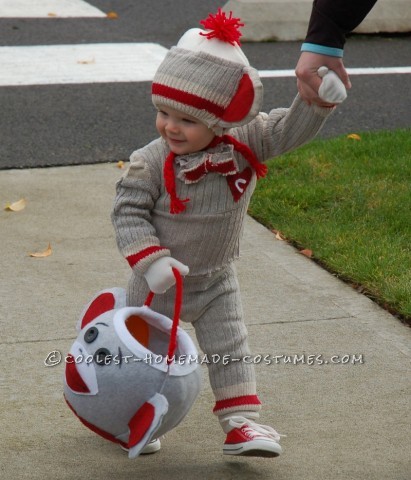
(206, 236)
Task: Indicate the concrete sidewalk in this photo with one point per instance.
(346, 420)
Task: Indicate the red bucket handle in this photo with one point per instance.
(177, 310)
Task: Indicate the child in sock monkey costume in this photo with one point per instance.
(182, 203)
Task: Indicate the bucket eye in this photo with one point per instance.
(103, 356)
(91, 334)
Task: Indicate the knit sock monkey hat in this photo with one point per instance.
(208, 76)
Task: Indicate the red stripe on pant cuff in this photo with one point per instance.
(236, 402)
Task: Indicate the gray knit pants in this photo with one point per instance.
(213, 305)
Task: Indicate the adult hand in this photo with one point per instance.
(308, 80)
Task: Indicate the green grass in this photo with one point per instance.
(349, 201)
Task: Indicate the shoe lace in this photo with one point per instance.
(250, 426)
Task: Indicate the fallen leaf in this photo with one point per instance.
(51, 14)
(46, 253)
(278, 235)
(354, 136)
(16, 206)
(308, 253)
(112, 15)
(120, 164)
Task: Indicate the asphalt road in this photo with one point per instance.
(73, 124)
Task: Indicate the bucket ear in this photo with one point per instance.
(247, 100)
(145, 423)
(103, 302)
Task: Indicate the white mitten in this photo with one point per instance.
(160, 276)
(332, 89)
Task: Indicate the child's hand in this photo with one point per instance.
(160, 276)
(332, 89)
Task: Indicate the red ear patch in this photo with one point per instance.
(103, 303)
(140, 423)
(242, 101)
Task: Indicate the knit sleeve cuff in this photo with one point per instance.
(142, 260)
(322, 111)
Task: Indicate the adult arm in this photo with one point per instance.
(330, 21)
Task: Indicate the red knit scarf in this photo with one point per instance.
(177, 205)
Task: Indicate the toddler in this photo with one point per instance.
(182, 202)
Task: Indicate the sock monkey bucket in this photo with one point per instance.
(131, 375)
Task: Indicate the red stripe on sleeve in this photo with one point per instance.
(137, 257)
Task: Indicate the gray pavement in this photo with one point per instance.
(55, 125)
(346, 420)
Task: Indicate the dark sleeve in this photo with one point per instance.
(331, 19)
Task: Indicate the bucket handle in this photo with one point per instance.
(177, 310)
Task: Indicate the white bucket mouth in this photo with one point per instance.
(135, 326)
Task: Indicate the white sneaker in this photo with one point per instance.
(251, 439)
(152, 447)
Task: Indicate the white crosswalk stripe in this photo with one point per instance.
(106, 62)
(90, 63)
(48, 8)
(72, 64)
(351, 71)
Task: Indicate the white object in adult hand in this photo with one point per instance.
(332, 89)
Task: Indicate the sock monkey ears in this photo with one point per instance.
(244, 102)
(103, 302)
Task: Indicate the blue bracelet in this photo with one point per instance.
(322, 50)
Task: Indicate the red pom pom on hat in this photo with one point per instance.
(226, 29)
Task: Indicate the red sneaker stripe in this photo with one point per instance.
(238, 435)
